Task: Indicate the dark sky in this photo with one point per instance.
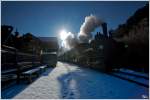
(48, 18)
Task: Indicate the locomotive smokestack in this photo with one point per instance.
(104, 28)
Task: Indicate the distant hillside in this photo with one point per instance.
(136, 28)
(135, 35)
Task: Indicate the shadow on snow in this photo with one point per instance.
(15, 89)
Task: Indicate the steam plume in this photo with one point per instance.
(70, 41)
(90, 23)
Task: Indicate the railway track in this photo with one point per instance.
(141, 80)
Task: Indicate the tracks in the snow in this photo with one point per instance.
(66, 80)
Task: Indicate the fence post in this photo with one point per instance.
(17, 66)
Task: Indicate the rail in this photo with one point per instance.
(131, 77)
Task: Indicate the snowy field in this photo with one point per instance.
(69, 81)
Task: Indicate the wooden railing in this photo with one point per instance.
(14, 62)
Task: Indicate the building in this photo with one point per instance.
(49, 50)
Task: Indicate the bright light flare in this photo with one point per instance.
(66, 37)
(63, 35)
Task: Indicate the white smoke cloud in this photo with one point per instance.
(70, 41)
(90, 23)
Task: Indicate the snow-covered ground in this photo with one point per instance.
(69, 81)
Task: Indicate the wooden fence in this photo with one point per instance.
(14, 62)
